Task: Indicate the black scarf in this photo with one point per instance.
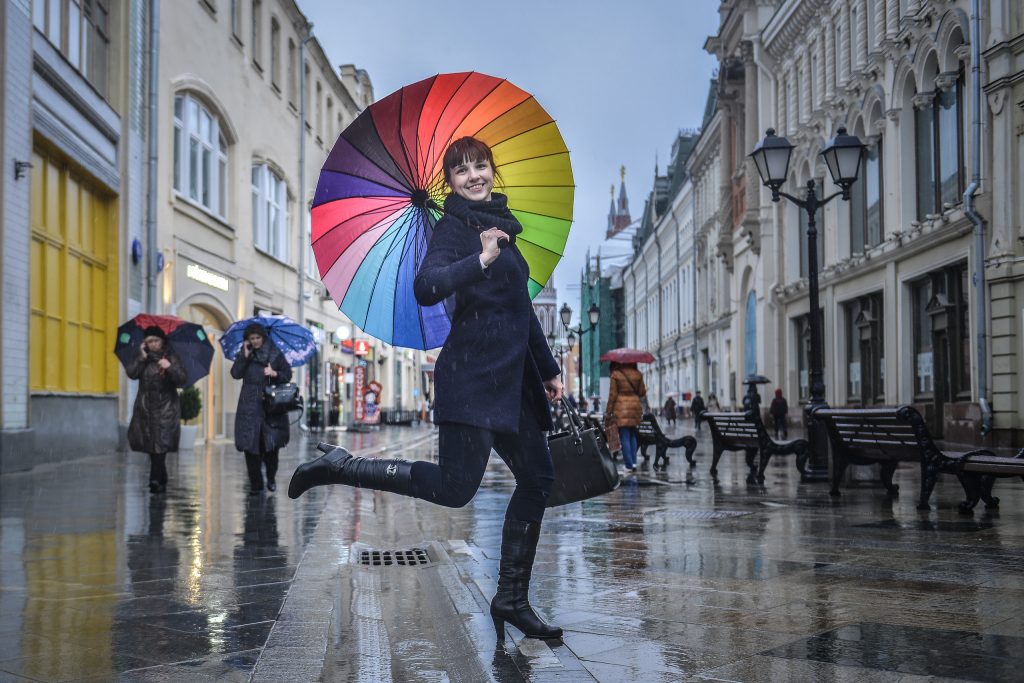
(493, 213)
(266, 354)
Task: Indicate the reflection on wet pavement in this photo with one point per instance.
(98, 578)
(695, 580)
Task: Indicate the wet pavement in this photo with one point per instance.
(670, 578)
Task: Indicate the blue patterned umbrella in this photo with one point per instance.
(295, 341)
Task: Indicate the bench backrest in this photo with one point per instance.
(649, 429)
(733, 427)
(886, 433)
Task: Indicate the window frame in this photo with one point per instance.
(930, 199)
(214, 168)
(269, 192)
(861, 233)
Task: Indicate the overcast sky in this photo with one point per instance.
(620, 77)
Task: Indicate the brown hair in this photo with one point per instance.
(467, 149)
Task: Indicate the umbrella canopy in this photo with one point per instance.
(380, 192)
(295, 341)
(188, 341)
(624, 355)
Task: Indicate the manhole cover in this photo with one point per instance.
(414, 557)
(702, 514)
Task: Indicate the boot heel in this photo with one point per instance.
(499, 628)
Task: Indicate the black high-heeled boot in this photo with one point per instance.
(338, 466)
(511, 602)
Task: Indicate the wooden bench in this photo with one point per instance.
(888, 436)
(745, 432)
(650, 433)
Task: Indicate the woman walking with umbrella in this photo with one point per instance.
(625, 393)
(156, 420)
(493, 380)
(258, 435)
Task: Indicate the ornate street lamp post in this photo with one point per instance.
(843, 156)
(594, 314)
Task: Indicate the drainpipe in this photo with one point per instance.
(979, 222)
(303, 209)
(153, 96)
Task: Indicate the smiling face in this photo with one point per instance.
(473, 179)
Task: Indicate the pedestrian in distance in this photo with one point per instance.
(713, 405)
(155, 427)
(779, 409)
(494, 379)
(697, 407)
(626, 394)
(669, 410)
(583, 403)
(260, 436)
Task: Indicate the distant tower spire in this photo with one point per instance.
(618, 212)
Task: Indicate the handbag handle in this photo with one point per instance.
(575, 424)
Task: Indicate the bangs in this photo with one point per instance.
(467, 149)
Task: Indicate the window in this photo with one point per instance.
(275, 54)
(805, 267)
(870, 18)
(236, 19)
(200, 156)
(939, 149)
(942, 335)
(866, 202)
(257, 33)
(293, 74)
(78, 28)
(865, 351)
(269, 212)
(319, 111)
(802, 330)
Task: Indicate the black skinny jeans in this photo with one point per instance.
(463, 451)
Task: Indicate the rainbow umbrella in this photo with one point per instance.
(382, 186)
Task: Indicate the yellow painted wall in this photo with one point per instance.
(74, 279)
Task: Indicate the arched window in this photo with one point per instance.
(750, 339)
(200, 156)
(269, 212)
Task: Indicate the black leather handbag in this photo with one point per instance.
(583, 466)
(279, 399)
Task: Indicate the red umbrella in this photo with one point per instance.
(626, 356)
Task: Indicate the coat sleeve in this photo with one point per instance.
(541, 351)
(613, 393)
(442, 272)
(240, 365)
(135, 367)
(176, 375)
(283, 370)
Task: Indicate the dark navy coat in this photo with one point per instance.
(496, 355)
(255, 431)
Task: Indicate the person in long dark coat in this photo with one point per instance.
(494, 379)
(155, 427)
(260, 436)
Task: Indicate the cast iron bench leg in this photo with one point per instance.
(888, 469)
(751, 454)
(714, 461)
(690, 448)
(838, 469)
(766, 455)
(929, 475)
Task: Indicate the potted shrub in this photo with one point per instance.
(191, 405)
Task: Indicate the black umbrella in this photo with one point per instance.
(188, 341)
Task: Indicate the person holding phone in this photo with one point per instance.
(258, 435)
(493, 381)
(156, 419)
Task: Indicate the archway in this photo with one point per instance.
(213, 388)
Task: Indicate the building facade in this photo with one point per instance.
(72, 200)
(900, 270)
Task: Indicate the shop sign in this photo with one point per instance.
(358, 387)
(361, 347)
(200, 274)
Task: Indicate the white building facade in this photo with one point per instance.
(899, 263)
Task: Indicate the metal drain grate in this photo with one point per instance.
(701, 514)
(414, 557)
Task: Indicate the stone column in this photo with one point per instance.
(15, 146)
(830, 57)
